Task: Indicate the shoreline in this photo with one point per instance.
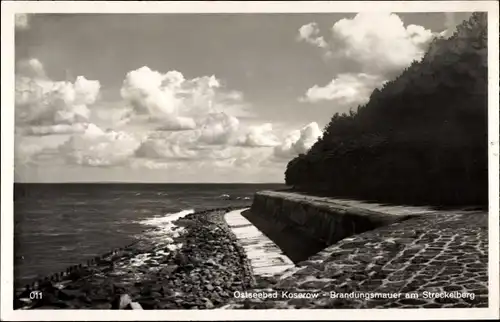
(204, 263)
(200, 269)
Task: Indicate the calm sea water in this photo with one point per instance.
(57, 225)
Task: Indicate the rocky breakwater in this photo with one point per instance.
(200, 268)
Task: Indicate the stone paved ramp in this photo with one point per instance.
(265, 257)
(441, 253)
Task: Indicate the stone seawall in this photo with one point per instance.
(388, 256)
(295, 221)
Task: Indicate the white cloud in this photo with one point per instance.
(309, 33)
(54, 129)
(31, 68)
(259, 136)
(172, 101)
(214, 134)
(21, 21)
(345, 89)
(372, 47)
(151, 92)
(169, 123)
(374, 42)
(30, 149)
(168, 146)
(25, 151)
(42, 102)
(379, 42)
(218, 128)
(238, 157)
(298, 141)
(96, 147)
(179, 123)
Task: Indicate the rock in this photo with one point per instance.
(171, 269)
(208, 304)
(121, 302)
(167, 290)
(146, 290)
(103, 306)
(118, 288)
(167, 306)
(85, 299)
(49, 299)
(181, 259)
(25, 293)
(157, 287)
(69, 294)
(134, 306)
(188, 305)
(156, 295)
(148, 303)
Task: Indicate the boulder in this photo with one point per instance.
(121, 302)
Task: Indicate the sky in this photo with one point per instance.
(196, 97)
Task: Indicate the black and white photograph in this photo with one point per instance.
(212, 160)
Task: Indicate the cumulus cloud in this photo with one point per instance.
(218, 128)
(298, 141)
(171, 100)
(31, 68)
(379, 43)
(41, 102)
(215, 133)
(309, 33)
(24, 152)
(178, 123)
(168, 146)
(259, 136)
(345, 89)
(54, 129)
(21, 21)
(164, 149)
(96, 147)
(241, 157)
(151, 92)
(373, 46)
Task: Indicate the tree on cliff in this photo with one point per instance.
(421, 138)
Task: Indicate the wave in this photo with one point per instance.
(163, 227)
(166, 219)
(227, 197)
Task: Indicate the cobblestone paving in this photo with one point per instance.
(437, 253)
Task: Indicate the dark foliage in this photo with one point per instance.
(422, 138)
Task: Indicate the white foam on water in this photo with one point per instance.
(165, 229)
(166, 219)
(265, 256)
(162, 234)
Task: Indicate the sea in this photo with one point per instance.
(58, 225)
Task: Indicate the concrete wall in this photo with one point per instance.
(309, 222)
